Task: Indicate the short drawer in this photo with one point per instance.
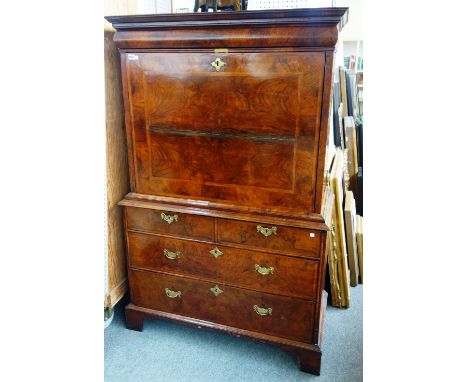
(259, 312)
(303, 242)
(170, 223)
(249, 269)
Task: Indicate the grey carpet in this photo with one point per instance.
(169, 352)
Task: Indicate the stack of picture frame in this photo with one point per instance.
(345, 242)
(338, 265)
(351, 240)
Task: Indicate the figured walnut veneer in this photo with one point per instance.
(227, 126)
(234, 266)
(254, 136)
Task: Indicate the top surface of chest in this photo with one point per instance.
(312, 27)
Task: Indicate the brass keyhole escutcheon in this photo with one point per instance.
(216, 290)
(216, 252)
(267, 231)
(218, 64)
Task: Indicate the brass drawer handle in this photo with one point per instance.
(216, 252)
(168, 218)
(266, 231)
(216, 290)
(262, 311)
(218, 64)
(173, 294)
(264, 271)
(171, 255)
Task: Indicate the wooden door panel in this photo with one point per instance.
(245, 135)
(224, 102)
(225, 161)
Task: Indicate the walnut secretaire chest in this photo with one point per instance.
(227, 126)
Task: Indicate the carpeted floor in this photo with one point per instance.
(169, 352)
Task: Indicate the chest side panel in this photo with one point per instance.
(243, 131)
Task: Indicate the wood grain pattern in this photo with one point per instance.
(246, 135)
(295, 241)
(322, 166)
(136, 314)
(290, 318)
(236, 267)
(321, 294)
(116, 171)
(231, 37)
(191, 226)
(151, 202)
(283, 19)
(252, 93)
(308, 355)
(292, 28)
(226, 160)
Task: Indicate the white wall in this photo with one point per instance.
(120, 7)
(352, 31)
(134, 7)
(183, 4)
(285, 4)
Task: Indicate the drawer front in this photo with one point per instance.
(244, 133)
(296, 241)
(171, 223)
(254, 270)
(259, 312)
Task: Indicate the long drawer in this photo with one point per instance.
(259, 312)
(250, 269)
(295, 241)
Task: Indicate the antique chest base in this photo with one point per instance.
(308, 355)
(258, 279)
